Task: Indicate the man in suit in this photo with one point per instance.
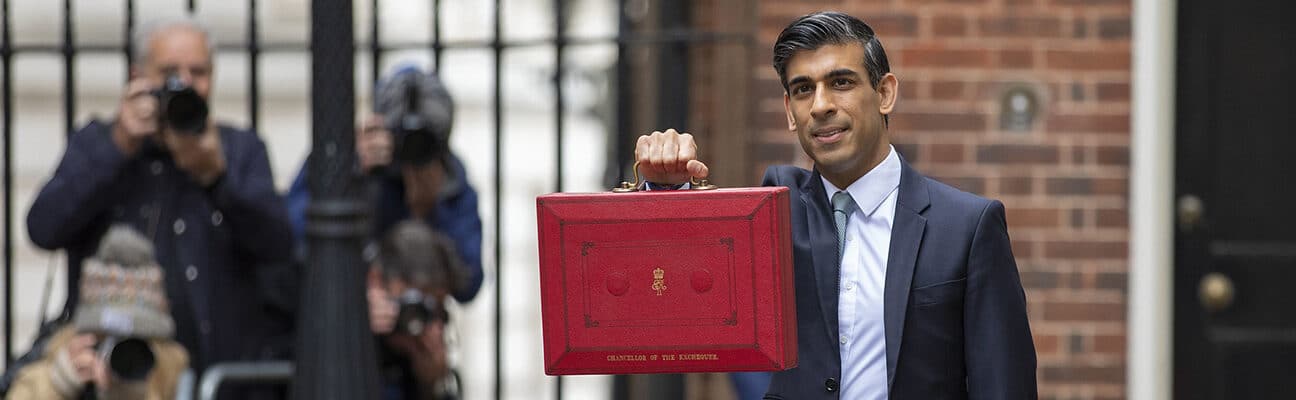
(906, 287)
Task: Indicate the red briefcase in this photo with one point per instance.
(667, 281)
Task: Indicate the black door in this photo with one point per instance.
(1235, 184)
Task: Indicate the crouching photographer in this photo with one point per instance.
(412, 274)
(119, 344)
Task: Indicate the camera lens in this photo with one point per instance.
(183, 110)
(187, 112)
(130, 359)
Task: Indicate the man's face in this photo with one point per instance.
(181, 51)
(835, 111)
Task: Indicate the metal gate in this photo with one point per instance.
(672, 37)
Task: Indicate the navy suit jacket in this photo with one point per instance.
(954, 310)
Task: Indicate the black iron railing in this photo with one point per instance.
(676, 36)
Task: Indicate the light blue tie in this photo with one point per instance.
(843, 206)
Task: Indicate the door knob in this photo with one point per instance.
(1190, 209)
(1215, 292)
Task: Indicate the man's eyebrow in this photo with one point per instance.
(836, 73)
(842, 72)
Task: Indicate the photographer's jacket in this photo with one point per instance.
(210, 241)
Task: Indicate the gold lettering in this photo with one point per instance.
(699, 357)
(627, 357)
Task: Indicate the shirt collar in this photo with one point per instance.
(870, 190)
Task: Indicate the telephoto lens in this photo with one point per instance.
(128, 359)
(182, 108)
(415, 142)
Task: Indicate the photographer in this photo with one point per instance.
(403, 152)
(413, 273)
(119, 344)
(202, 193)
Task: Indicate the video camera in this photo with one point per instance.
(181, 107)
(127, 358)
(416, 310)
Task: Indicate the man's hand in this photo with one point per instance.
(426, 354)
(137, 118)
(669, 158)
(422, 185)
(429, 361)
(373, 143)
(199, 155)
(84, 360)
(382, 310)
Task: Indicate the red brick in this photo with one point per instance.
(1094, 60)
(1078, 155)
(947, 90)
(1068, 186)
(1091, 3)
(893, 25)
(1017, 154)
(1047, 344)
(1063, 123)
(1111, 280)
(945, 153)
(935, 57)
(938, 122)
(1110, 218)
(1039, 279)
(1111, 91)
(1111, 344)
(1020, 26)
(965, 183)
(1083, 311)
(1016, 185)
(949, 25)
(908, 90)
(1023, 250)
(1016, 59)
(1114, 28)
(1032, 217)
(1085, 250)
(1082, 374)
(1113, 155)
(948, 1)
(1110, 186)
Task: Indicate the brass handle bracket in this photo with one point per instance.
(628, 187)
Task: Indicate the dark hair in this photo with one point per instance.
(812, 31)
(413, 252)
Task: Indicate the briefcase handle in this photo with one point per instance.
(628, 187)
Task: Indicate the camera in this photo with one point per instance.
(181, 108)
(414, 140)
(416, 310)
(127, 358)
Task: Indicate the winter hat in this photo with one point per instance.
(122, 292)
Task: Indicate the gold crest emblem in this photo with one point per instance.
(659, 281)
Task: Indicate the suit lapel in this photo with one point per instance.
(823, 249)
(906, 238)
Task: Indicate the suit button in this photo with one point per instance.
(830, 385)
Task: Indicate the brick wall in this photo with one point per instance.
(1064, 180)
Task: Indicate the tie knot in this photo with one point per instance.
(843, 203)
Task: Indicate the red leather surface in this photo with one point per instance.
(667, 281)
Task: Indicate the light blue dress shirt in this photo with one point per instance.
(863, 277)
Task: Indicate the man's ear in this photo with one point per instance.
(787, 107)
(888, 89)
